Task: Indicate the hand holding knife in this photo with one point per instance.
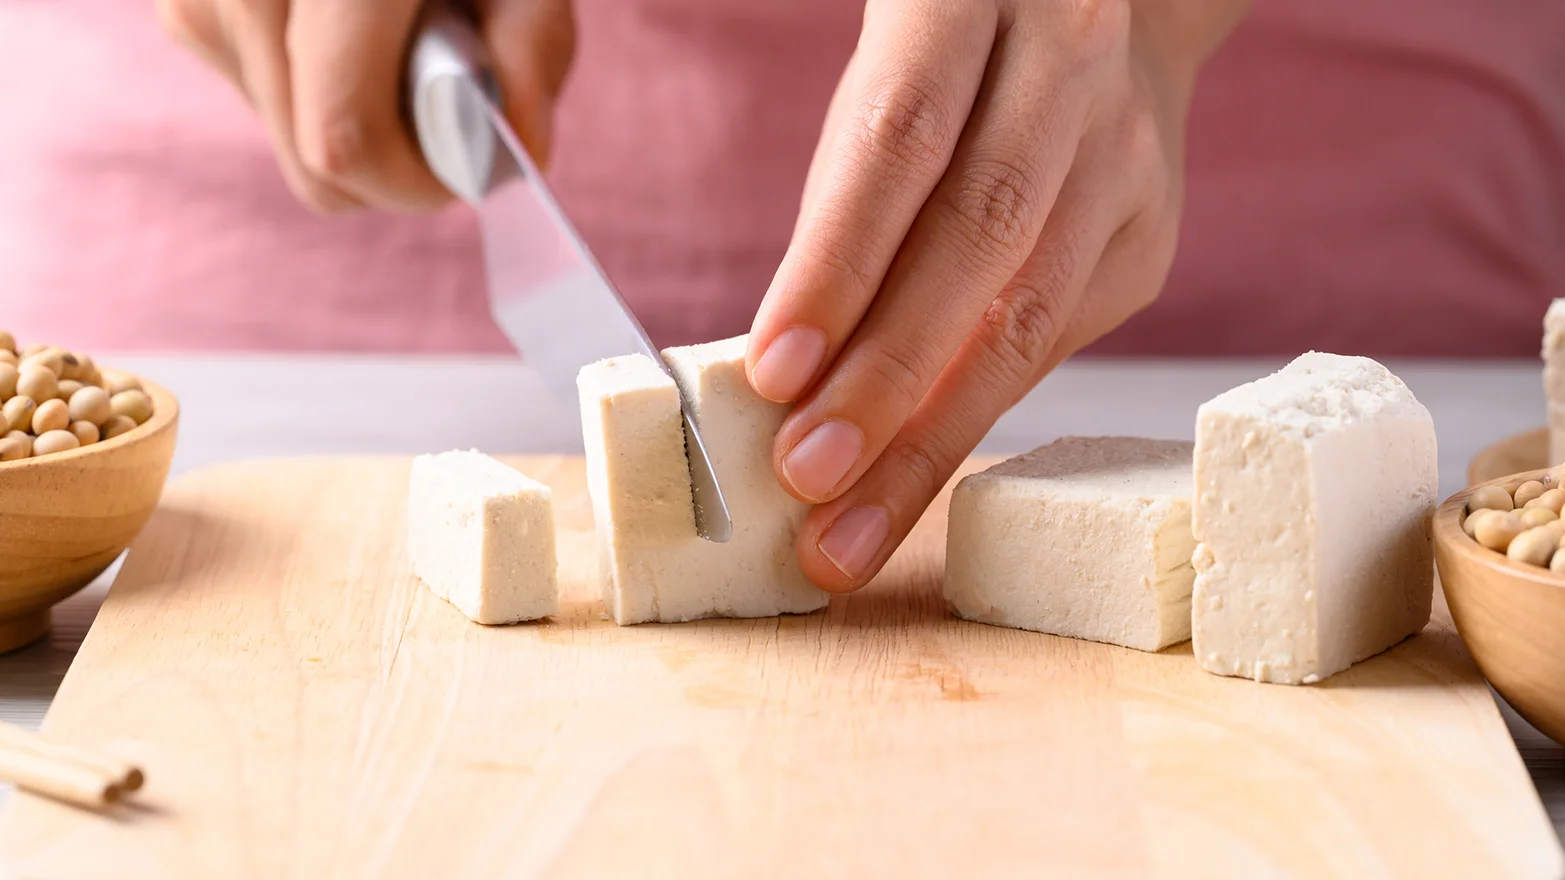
(547, 292)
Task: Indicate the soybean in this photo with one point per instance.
(1538, 516)
(91, 404)
(1497, 532)
(1534, 546)
(51, 415)
(1490, 498)
(38, 383)
(135, 405)
(1553, 499)
(115, 426)
(18, 412)
(1526, 492)
(55, 441)
(86, 432)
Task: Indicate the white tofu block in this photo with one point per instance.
(652, 564)
(1088, 537)
(1315, 489)
(481, 536)
(1554, 378)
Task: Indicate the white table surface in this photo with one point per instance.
(253, 406)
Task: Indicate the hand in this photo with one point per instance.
(326, 78)
(997, 185)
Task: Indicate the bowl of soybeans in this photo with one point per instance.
(84, 453)
(1500, 550)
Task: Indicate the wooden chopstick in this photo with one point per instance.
(64, 772)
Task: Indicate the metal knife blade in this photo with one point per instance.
(547, 292)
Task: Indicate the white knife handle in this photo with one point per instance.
(449, 75)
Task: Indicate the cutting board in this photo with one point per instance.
(304, 708)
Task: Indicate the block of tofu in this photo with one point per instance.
(481, 536)
(652, 565)
(1554, 378)
(1087, 537)
(1314, 492)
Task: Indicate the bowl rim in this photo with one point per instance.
(1448, 531)
(165, 412)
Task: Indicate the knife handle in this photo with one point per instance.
(450, 85)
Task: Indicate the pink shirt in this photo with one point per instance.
(1381, 177)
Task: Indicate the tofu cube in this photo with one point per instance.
(1315, 488)
(481, 536)
(652, 564)
(1088, 537)
(1554, 378)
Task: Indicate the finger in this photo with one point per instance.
(257, 29)
(916, 74)
(1026, 332)
(972, 237)
(533, 43)
(194, 24)
(346, 90)
(837, 110)
(347, 62)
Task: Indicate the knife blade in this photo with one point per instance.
(547, 292)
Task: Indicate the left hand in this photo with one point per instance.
(997, 185)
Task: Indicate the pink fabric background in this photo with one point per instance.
(1380, 177)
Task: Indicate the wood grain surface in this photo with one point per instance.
(303, 708)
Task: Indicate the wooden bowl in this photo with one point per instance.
(65, 517)
(1510, 615)
(1520, 452)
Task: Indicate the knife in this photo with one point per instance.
(547, 292)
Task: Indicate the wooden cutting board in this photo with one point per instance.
(304, 708)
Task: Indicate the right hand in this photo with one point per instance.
(326, 77)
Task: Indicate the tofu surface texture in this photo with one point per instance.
(1314, 493)
(1554, 378)
(652, 564)
(481, 536)
(1087, 537)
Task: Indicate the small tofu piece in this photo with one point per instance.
(481, 536)
(1088, 537)
(1554, 378)
(652, 564)
(1315, 489)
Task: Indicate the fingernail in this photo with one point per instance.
(854, 539)
(789, 363)
(823, 458)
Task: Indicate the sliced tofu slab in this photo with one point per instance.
(652, 564)
(1088, 537)
(481, 536)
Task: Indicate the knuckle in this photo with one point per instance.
(1095, 27)
(996, 207)
(335, 147)
(838, 257)
(1020, 327)
(907, 123)
(921, 467)
(896, 371)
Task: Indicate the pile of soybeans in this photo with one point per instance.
(52, 400)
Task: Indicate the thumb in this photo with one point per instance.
(532, 43)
